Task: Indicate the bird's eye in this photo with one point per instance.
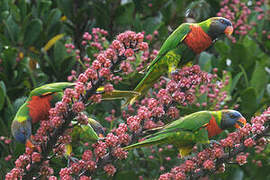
(222, 21)
(232, 116)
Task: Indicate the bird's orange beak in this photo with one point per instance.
(240, 123)
(29, 144)
(228, 31)
(101, 135)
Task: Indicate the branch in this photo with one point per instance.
(227, 156)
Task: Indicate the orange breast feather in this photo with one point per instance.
(197, 39)
(39, 107)
(213, 128)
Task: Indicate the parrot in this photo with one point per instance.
(36, 108)
(187, 41)
(91, 132)
(194, 128)
(40, 101)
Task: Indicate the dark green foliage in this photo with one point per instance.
(27, 26)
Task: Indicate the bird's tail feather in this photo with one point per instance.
(147, 142)
(145, 84)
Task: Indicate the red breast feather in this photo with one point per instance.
(39, 107)
(213, 128)
(197, 39)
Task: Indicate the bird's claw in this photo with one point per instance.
(72, 159)
(212, 142)
(174, 72)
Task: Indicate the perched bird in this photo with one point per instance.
(91, 132)
(188, 40)
(40, 101)
(195, 128)
(35, 109)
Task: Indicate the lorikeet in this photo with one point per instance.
(91, 132)
(197, 127)
(40, 101)
(188, 40)
(36, 108)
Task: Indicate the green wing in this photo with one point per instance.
(190, 122)
(89, 133)
(172, 42)
(50, 88)
(182, 132)
(22, 114)
(117, 94)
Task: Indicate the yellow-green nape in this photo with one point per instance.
(21, 119)
(184, 151)
(68, 149)
(208, 22)
(219, 115)
(217, 17)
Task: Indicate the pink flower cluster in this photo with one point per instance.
(185, 89)
(241, 14)
(100, 73)
(212, 159)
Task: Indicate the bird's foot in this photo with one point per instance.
(174, 72)
(71, 159)
(189, 157)
(213, 142)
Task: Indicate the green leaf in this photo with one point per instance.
(23, 8)
(126, 175)
(18, 102)
(228, 87)
(259, 78)
(205, 61)
(222, 48)
(238, 174)
(235, 81)
(54, 17)
(66, 7)
(15, 11)
(2, 94)
(33, 31)
(12, 29)
(249, 100)
(152, 23)
(124, 14)
(59, 53)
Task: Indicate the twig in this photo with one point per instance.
(227, 156)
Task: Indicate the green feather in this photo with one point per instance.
(167, 60)
(183, 133)
(172, 42)
(50, 88)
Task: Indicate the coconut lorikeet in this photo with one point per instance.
(188, 40)
(197, 127)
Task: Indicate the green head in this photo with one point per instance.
(217, 27)
(98, 128)
(231, 118)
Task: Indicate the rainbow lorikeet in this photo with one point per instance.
(188, 40)
(35, 109)
(91, 132)
(195, 128)
(40, 101)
